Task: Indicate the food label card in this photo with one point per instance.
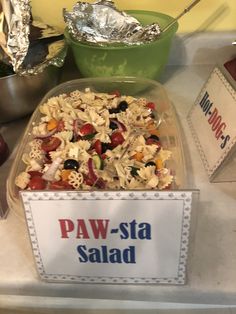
(110, 237)
(212, 121)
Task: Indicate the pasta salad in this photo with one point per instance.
(88, 140)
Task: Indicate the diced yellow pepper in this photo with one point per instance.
(159, 164)
(153, 132)
(65, 174)
(52, 124)
(138, 156)
(151, 125)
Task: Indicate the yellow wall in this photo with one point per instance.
(212, 15)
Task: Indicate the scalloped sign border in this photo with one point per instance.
(155, 224)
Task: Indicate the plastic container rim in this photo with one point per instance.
(122, 79)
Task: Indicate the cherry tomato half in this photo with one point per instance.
(51, 144)
(35, 174)
(37, 183)
(116, 139)
(87, 129)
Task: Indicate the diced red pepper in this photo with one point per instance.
(151, 105)
(98, 147)
(116, 93)
(151, 141)
(60, 126)
(60, 185)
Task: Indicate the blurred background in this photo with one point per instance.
(211, 15)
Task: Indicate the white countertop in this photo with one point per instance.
(211, 268)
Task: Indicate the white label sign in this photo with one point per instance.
(109, 237)
(212, 120)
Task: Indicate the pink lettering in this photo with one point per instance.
(99, 227)
(82, 232)
(66, 226)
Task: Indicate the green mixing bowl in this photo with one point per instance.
(147, 60)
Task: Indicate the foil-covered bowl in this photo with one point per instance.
(102, 23)
(21, 94)
(144, 60)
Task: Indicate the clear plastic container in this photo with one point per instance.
(170, 134)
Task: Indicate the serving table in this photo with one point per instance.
(211, 266)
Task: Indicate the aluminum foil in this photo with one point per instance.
(25, 44)
(46, 47)
(102, 23)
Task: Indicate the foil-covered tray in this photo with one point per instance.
(29, 46)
